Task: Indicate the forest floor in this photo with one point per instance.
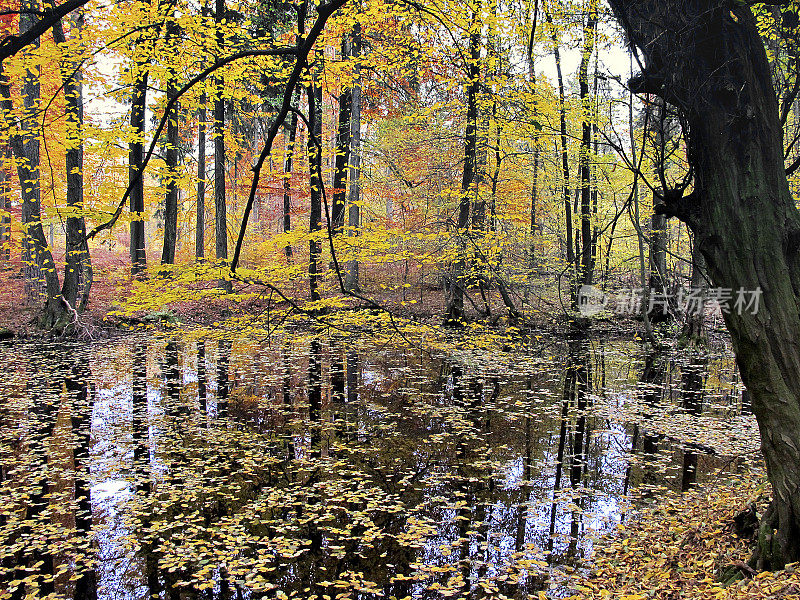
(112, 287)
(679, 546)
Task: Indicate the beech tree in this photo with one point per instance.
(707, 59)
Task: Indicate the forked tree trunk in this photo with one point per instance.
(706, 58)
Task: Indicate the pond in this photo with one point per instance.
(178, 465)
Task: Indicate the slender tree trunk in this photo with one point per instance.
(78, 269)
(658, 265)
(354, 175)
(314, 93)
(694, 334)
(287, 177)
(220, 206)
(343, 135)
(171, 196)
(742, 214)
(534, 225)
(199, 240)
(562, 113)
(587, 117)
(135, 159)
(454, 292)
(5, 205)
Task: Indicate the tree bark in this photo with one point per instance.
(314, 93)
(135, 159)
(562, 112)
(587, 117)
(78, 269)
(454, 291)
(200, 230)
(354, 194)
(287, 178)
(343, 135)
(706, 58)
(220, 206)
(5, 204)
(26, 148)
(171, 160)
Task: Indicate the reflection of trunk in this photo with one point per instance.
(314, 93)
(172, 379)
(78, 384)
(46, 397)
(526, 487)
(692, 380)
(78, 269)
(354, 175)
(202, 383)
(567, 399)
(288, 402)
(223, 385)
(315, 397)
(583, 380)
(651, 381)
(139, 427)
(315, 451)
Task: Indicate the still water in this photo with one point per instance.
(184, 466)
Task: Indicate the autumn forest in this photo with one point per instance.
(399, 299)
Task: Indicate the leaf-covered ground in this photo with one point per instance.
(678, 547)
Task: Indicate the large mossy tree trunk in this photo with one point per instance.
(707, 59)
